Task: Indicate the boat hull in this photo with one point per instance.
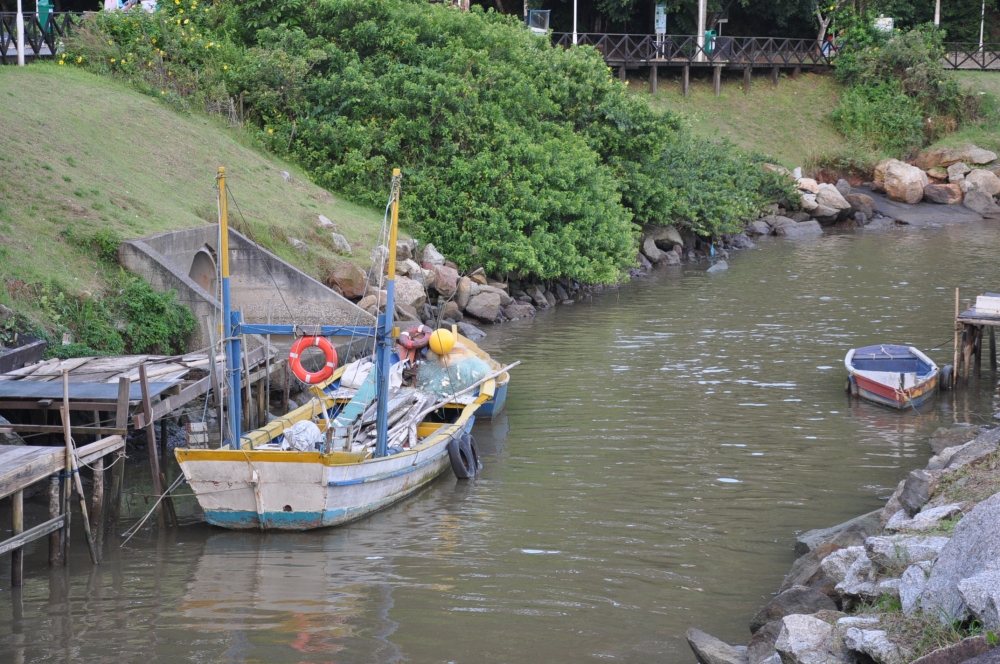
(913, 397)
(496, 403)
(280, 490)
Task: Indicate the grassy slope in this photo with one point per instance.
(79, 153)
(789, 122)
(985, 134)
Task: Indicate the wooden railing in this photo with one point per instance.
(681, 50)
(39, 41)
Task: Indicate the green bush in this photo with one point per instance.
(880, 116)
(518, 156)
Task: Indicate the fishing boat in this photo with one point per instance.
(377, 429)
(896, 376)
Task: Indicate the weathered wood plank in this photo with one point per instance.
(37, 463)
(100, 449)
(31, 535)
(54, 428)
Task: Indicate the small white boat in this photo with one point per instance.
(896, 376)
(359, 444)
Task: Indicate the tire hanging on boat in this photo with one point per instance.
(474, 447)
(295, 359)
(462, 460)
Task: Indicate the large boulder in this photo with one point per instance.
(710, 650)
(518, 310)
(761, 645)
(463, 292)
(953, 436)
(809, 640)
(967, 651)
(896, 552)
(976, 449)
(844, 187)
(802, 229)
(806, 570)
(948, 156)
(984, 181)
(937, 173)
(445, 280)
(470, 331)
(758, 227)
(809, 202)
(905, 183)
(878, 176)
(838, 564)
(537, 294)
(410, 292)
(981, 593)
(797, 599)
(956, 173)
(862, 203)
(431, 255)
(847, 534)
(917, 490)
(973, 549)
(664, 237)
(348, 279)
(944, 194)
(651, 251)
(912, 583)
(808, 184)
(981, 203)
(505, 298)
(831, 197)
(340, 244)
(875, 643)
(484, 306)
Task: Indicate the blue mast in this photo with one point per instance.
(385, 330)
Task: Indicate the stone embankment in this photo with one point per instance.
(916, 581)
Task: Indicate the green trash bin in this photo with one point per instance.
(710, 36)
(44, 12)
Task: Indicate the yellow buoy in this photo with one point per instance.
(442, 341)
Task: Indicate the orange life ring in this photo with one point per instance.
(295, 359)
(415, 338)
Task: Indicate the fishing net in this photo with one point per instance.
(445, 375)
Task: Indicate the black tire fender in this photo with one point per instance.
(474, 447)
(462, 461)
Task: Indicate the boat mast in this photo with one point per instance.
(385, 330)
(226, 329)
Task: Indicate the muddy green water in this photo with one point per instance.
(662, 445)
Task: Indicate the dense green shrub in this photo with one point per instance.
(518, 156)
(899, 95)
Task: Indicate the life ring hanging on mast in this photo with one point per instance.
(295, 359)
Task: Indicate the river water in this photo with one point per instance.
(662, 445)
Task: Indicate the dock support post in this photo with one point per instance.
(775, 73)
(53, 513)
(979, 350)
(17, 527)
(652, 79)
(795, 73)
(717, 80)
(97, 500)
(746, 79)
(621, 73)
(954, 363)
(993, 349)
(686, 80)
(154, 458)
(117, 480)
(67, 485)
(285, 393)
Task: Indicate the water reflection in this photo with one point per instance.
(663, 444)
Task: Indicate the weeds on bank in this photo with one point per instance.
(919, 634)
(974, 482)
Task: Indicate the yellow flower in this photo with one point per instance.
(163, 92)
(270, 131)
(61, 62)
(186, 21)
(180, 11)
(110, 42)
(112, 59)
(154, 40)
(225, 67)
(79, 59)
(149, 64)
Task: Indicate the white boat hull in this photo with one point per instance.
(280, 490)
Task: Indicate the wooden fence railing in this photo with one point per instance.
(681, 50)
(39, 41)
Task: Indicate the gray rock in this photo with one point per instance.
(974, 548)
(802, 229)
(805, 568)
(924, 520)
(892, 505)
(410, 292)
(431, 255)
(875, 643)
(298, 245)
(505, 299)
(862, 203)
(9, 438)
(831, 197)
(404, 250)
(773, 659)
(981, 203)
(911, 585)
(989, 657)
(776, 220)
(761, 645)
(408, 267)
(470, 332)
(651, 251)
(671, 258)
(967, 650)
(665, 237)
(380, 256)
(943, 194)
(809, 202)
(859, 580)
(451, 311)
(980, 447)
(956, 172)
(844, 187)
(797, 599)
(325, 223)
(340, 244)
(847, 534)
(825, 214)
(740, 241)
(710, 650)
(809, 640)
(518, 310)
(839, 563)
(550, 298)
(718, 267)
(463, 293)
(643, 262)
(983, 181)
(537, 294)
(896, 552)
(348, 279)
(799, 216)
(917, 490)
(485, 307)
(861, 218)
(561, 294)
(955, 436)
(981, 594)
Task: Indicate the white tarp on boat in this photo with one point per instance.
(890, 378)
